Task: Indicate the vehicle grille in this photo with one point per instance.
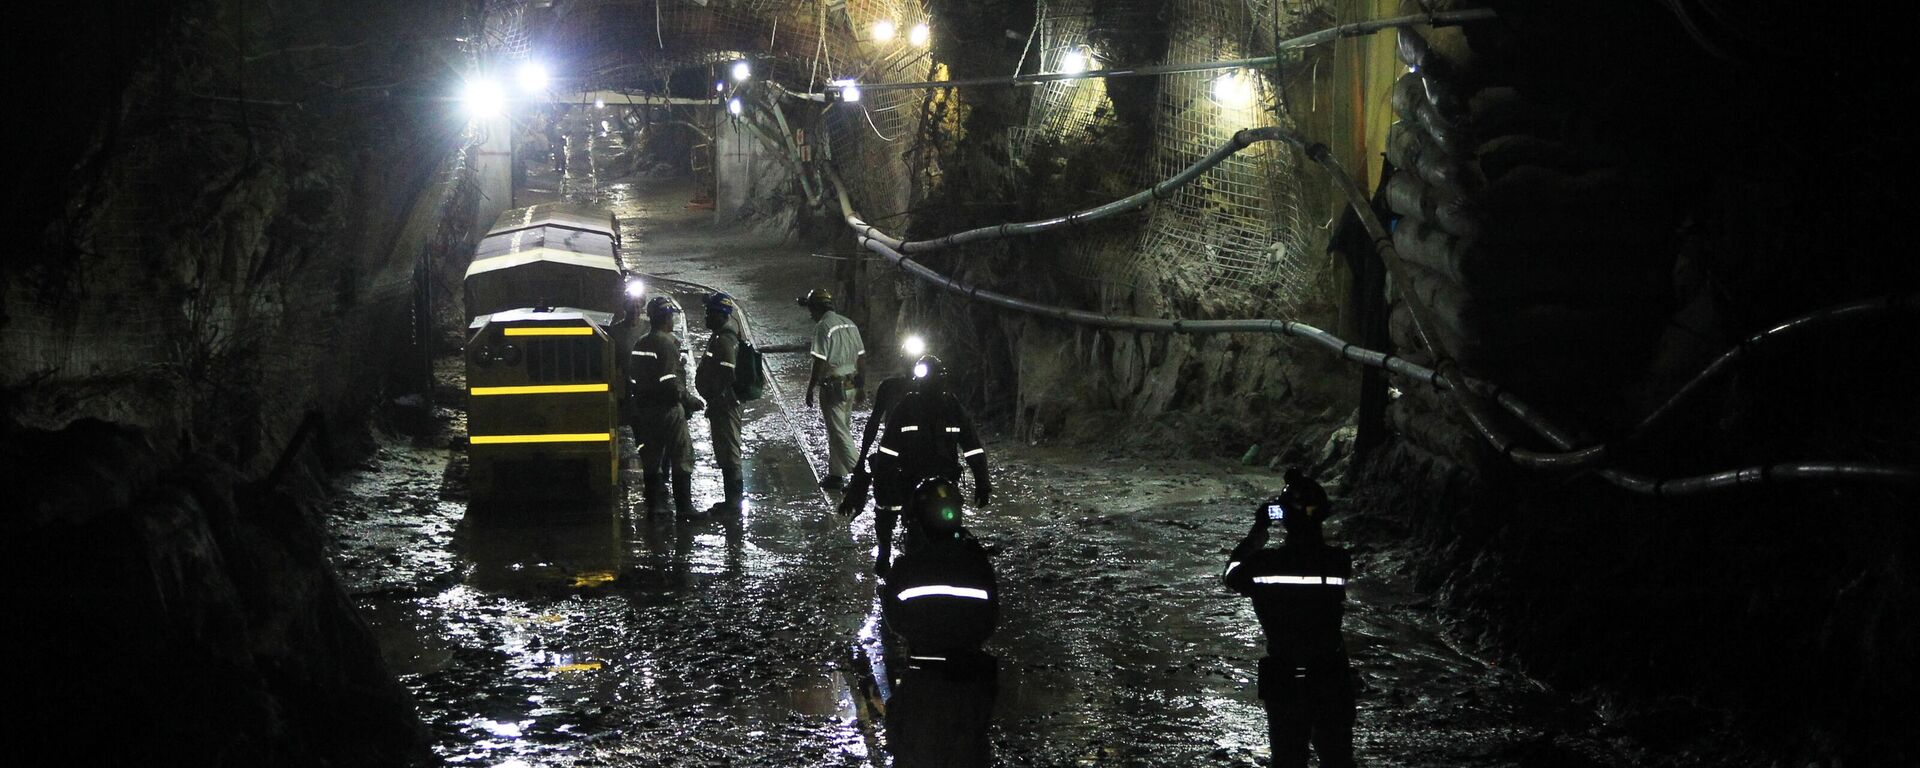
(565, 359)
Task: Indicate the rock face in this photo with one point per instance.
(168, 614)
(219, 234)
(1590, 235)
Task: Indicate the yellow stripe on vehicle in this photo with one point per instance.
(538, 389)
(564, 330)
(587, 437)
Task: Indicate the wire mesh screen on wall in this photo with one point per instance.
(1238, 237)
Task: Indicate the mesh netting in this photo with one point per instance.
(1238, 235)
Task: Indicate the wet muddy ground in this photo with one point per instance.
(569, 635)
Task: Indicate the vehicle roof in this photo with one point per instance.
(557, 214)
(557, 314)
(535, 255)
(545, 236)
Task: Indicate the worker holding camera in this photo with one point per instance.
(1299, 592)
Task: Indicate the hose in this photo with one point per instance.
(1242, 139)
(1792, 327)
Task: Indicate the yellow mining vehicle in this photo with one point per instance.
(551, 310)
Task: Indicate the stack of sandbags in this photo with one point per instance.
(1545, 267)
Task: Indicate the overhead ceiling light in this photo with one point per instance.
(483, 98)
(1234, 89)
(734, 107)
(532, 77)
(599, 103)
(920, 34)
(849, 90)
(719, 86)
(742, 71)
(636, 288)
(1074, 61)
(883, 30)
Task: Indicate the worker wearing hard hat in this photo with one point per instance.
(927, 434)
(889, 498)
(839, 376)
(714, 379)
(661, 404)
(1299, 591)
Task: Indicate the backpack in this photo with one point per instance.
(750, 373)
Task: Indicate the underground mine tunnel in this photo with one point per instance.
(368, 399)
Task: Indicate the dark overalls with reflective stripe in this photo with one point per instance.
(715, 383)
(926, 435)
(1299, 592)
(887, 504)
(659, 392)
(942, 598)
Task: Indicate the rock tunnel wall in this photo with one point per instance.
(218, 240)
(1592, 222)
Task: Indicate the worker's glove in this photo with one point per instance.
(693, 404)
(982, 491)
(850, 507)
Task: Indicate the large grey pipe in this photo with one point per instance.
(1801, 325)
(1241, 139)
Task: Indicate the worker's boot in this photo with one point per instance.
(735, 490)
(683, 495)
(655, 493)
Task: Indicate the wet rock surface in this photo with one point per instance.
(599, 636)
(165, 612)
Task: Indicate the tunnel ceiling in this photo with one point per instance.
(643, 45)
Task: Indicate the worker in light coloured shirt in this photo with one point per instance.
(839, 374)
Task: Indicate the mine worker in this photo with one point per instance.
(942, 600)
(840, 375)
(927, 434)
(714, 381)
(941, 596)
(661, 404)
(888, 498)
(1299, 591)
